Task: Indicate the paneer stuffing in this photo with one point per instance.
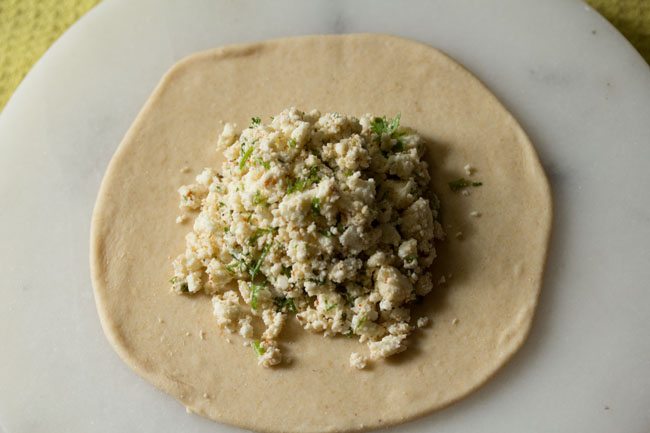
(325, 219)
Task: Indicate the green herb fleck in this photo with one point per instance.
(319, 281)
(265, 164)
(462, 183)
(330, 307)
(255, 290)
(315, 205)
(313, 174)
(240, 262)
(226, 229)
(325, 232)
(302, 183)
(178, 282)
(296, 185)
(259, 232)
(285, 304)
(394, 124)
(291, 143)
(260, 260)
(399, 146)
(360, 323)
(257, 347)
(245, 156)
(259, 198)
(255, 121)
(409, 259)
(381, 125)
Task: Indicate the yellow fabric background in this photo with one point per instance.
(29, 27)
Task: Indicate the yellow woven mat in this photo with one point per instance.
(29, 27)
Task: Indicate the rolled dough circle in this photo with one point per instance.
(480, 316)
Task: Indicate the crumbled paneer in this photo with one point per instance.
(267, 352)
(357, 361)
(422, 322)
(325, 219)
(387, 346)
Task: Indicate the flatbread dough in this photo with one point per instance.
(480, 317)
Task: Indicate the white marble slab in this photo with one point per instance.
(579, 89)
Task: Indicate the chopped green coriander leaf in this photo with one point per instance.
(315, 205)
(380, 125)
(296, 185)
(394, 124)
(257, 347)
(462, 183)
(399, 146)
(260, 260)
(259, 232)
(265, 164)
(330, 307)
(245, 156)
(255, 290)
(302, 183)
(239, 261)
(409, 259)
(226, 229)
(360, 323)
(325, 232)
(255, 121)
(285, 304)
(230, 268)
(313, 174)
(178, 282)
(291, 142)
(259, 198)
(319, 281)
